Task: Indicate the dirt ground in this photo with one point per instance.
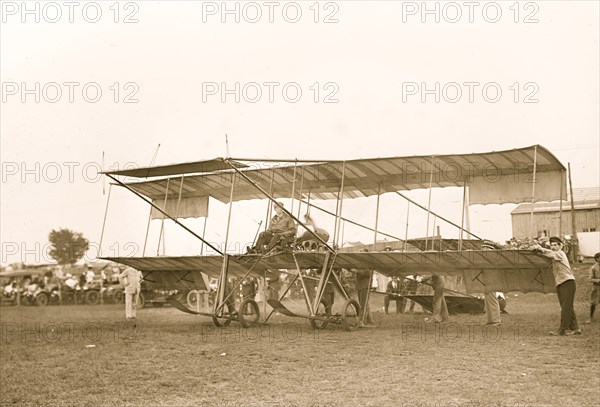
(89, 355)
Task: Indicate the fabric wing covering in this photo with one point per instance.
(493, 177)
(482, 270)
(196, 207)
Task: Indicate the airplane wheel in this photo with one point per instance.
(248, 313)
(324, 310)
(350, 315)
(221, 322)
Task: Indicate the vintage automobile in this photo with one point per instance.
(157, 298)
(29, 286)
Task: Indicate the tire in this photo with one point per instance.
(192, 299)
(141, 301)
(250, 319)
(324, 310)
(67, 297)
(92, 297)
(118, 297)
(351, 315)
(41, 299)
(221, 322)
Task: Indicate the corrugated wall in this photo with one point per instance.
(584, 219)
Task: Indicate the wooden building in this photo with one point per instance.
(547, 217)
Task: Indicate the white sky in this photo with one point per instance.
(368, 54)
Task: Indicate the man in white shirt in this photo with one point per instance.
(131, 279)
(565, 286)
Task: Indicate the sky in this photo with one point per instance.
(100, 85)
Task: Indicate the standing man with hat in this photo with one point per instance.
(394, 291)
(565, 286)
(131, 279)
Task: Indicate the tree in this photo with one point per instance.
(66, 246)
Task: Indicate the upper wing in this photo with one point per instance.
(493, 177)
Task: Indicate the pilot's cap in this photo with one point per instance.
(556, 239)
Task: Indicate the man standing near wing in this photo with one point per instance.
(565, 286)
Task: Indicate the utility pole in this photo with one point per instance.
(575, 242)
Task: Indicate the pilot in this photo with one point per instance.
(131, 279)
(282, 225)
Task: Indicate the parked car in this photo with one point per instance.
(28, 286)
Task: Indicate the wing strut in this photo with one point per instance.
(270, 197)
(435, 214)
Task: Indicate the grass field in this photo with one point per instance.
(90, 356)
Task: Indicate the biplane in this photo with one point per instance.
(182, 190)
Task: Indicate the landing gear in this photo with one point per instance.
(322, 311)
(248, 314)
(351, 315)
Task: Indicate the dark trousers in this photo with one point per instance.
(329, 298)
(400, 302)
(440, 308)
(365, 312)
(268, 239)
(566, 297)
